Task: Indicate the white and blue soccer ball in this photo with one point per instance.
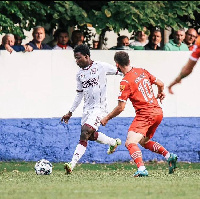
(43, 167)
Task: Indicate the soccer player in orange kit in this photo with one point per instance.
(137, 86)
(188, 68)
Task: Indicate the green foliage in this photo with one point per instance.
(17, 16)
(134, 15)
(66, 14)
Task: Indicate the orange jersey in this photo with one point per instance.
(137, 86)
(196, 50)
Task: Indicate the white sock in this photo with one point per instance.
(78, 153)
(104, 139)
(141, 168)
(167, 156)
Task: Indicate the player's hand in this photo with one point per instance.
(170, 90)
(161, 96)
(66, 117)
(176, 81)
(104, 121)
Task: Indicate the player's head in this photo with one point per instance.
(82, 55)
(122, 60)
(83, 49)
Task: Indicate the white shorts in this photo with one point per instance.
(93, 118)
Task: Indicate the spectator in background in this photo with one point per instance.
(63, 40)
(95, 44)
(7, 39)
(190, 38)
(77, 38)
(141, 39)
(154, 41)
(8, 43)
(18, 40)
(176, 44)
(122, 43)
(38, 37)
(54, 42)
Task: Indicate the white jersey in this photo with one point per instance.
(59, 48)
(92, 81)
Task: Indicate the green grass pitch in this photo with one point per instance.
(100, 181)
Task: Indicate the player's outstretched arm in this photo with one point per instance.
(76, 103)
(186, 70)
(116, 111)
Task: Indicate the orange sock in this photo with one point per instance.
(155, 147)
(136, 154)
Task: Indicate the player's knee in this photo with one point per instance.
(133, 138)
(94, 136)
(84, 135)
(143, 141)
(130, 141)
(126, 144)
(86, 132)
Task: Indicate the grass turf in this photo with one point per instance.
(99, 181)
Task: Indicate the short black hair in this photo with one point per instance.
(61, 30)
(77, 32)
(83, 49)
(122, 58)
(120, 38)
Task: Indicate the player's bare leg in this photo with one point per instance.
(158, 148)
(86, 132)
(104, 139)
(132, 145)
(89, 133)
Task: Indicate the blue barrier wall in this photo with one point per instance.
(34, 139)
(34, 96)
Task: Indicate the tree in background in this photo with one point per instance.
(16, 16)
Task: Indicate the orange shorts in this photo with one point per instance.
(146, 124)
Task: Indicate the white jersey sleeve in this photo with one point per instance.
(111, 69)
(79, 95)
(77, 101)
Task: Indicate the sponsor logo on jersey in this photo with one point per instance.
(93, 70)
(90, 82)
(122, 87)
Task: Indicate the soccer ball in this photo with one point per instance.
(43, 167)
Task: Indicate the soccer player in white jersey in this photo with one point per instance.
(91, 85)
